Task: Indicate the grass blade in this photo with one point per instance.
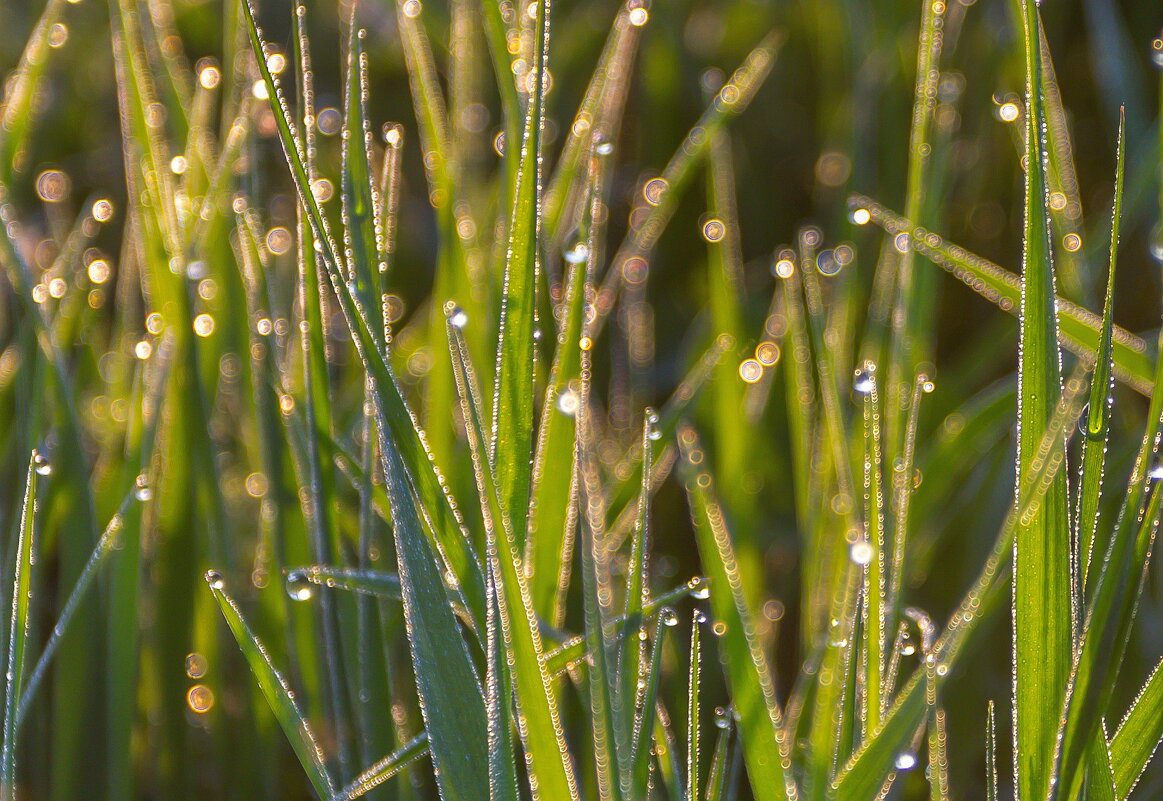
(513, 390)
(1043, 610)
(1079, 329)
(538, 718)
(766, 751)
(17, 644)
(692, 708)
(276, 690)
(1138, 736)
(1101, 395)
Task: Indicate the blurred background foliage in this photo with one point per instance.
(833, 118)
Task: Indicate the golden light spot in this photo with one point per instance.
(750, 370)
(203, 325)
(52, 186)
(200, 699)
(103, 210)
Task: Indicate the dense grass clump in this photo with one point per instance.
(604, 428)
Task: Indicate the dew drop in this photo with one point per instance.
(196, 665)
(668, 617)
(784, 268)
(699, 588)
(722, 717)
(906, 760)
(299, 587)
(568, 402)
(699, 616)
(861, 552)
(215, 580)
(604, 147)
(141, 488)
(1156, 472)
(861, 216)
(714, 230)
(457, 317)
(863, 380)
(576, 253)
(41, 464)
(750, 370)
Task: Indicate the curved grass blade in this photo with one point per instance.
(513, 394)
(444, 523)
(20, 108)
(1079, 329)
(1101, 395)
(1138, 736)
(538, 719)
(719, 775)
(17, 644)
(276, 690)
(766, 752)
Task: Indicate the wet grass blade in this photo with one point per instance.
(17, 643)
(1080, 330)
(1138, 736)
(513, 391)
(396, 419)
(692, 708)
(766, 752)
(1043, 608)
(990, 755)
(276, 690)
(538, 717)
(730, 101)
(645, 705)
(1094, 445)
(368, 582)
(384, 769)
(866, 772)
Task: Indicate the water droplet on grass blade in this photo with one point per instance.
(668, 617)
(906, 760)
(722, 717)
(215, 580)
(141, 488)
(861, 552)
(576, 253)
(568, 402)
(863, 380)
(299, 587)
(41, 464)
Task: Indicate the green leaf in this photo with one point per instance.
(511, 441)
(538, 718)
(17, 643)
(385, 768)
(1080, 331)
(1042, 583)
(692, 709)
(1101, 395)
(438, 508)
(1139, 735)
(766, 751)
(276, 690)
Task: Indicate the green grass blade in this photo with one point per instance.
(17, 644)
(646, 703)
(1079, 329)
(717, 777)
(874, 760)
(276, 690)
(538, 718)
(20, 108)
(608, 747)
(1138, 736)
(870, 553)
(513, 390)
(549, 544)
(990, 755)
(631, 662)
(1042, 583)
(1101, 394)
(692, 708)
(766, 752)
(730, 101)
(368, 582)
(436, 503)
(384, 769)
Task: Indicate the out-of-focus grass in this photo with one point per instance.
(398, 398)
